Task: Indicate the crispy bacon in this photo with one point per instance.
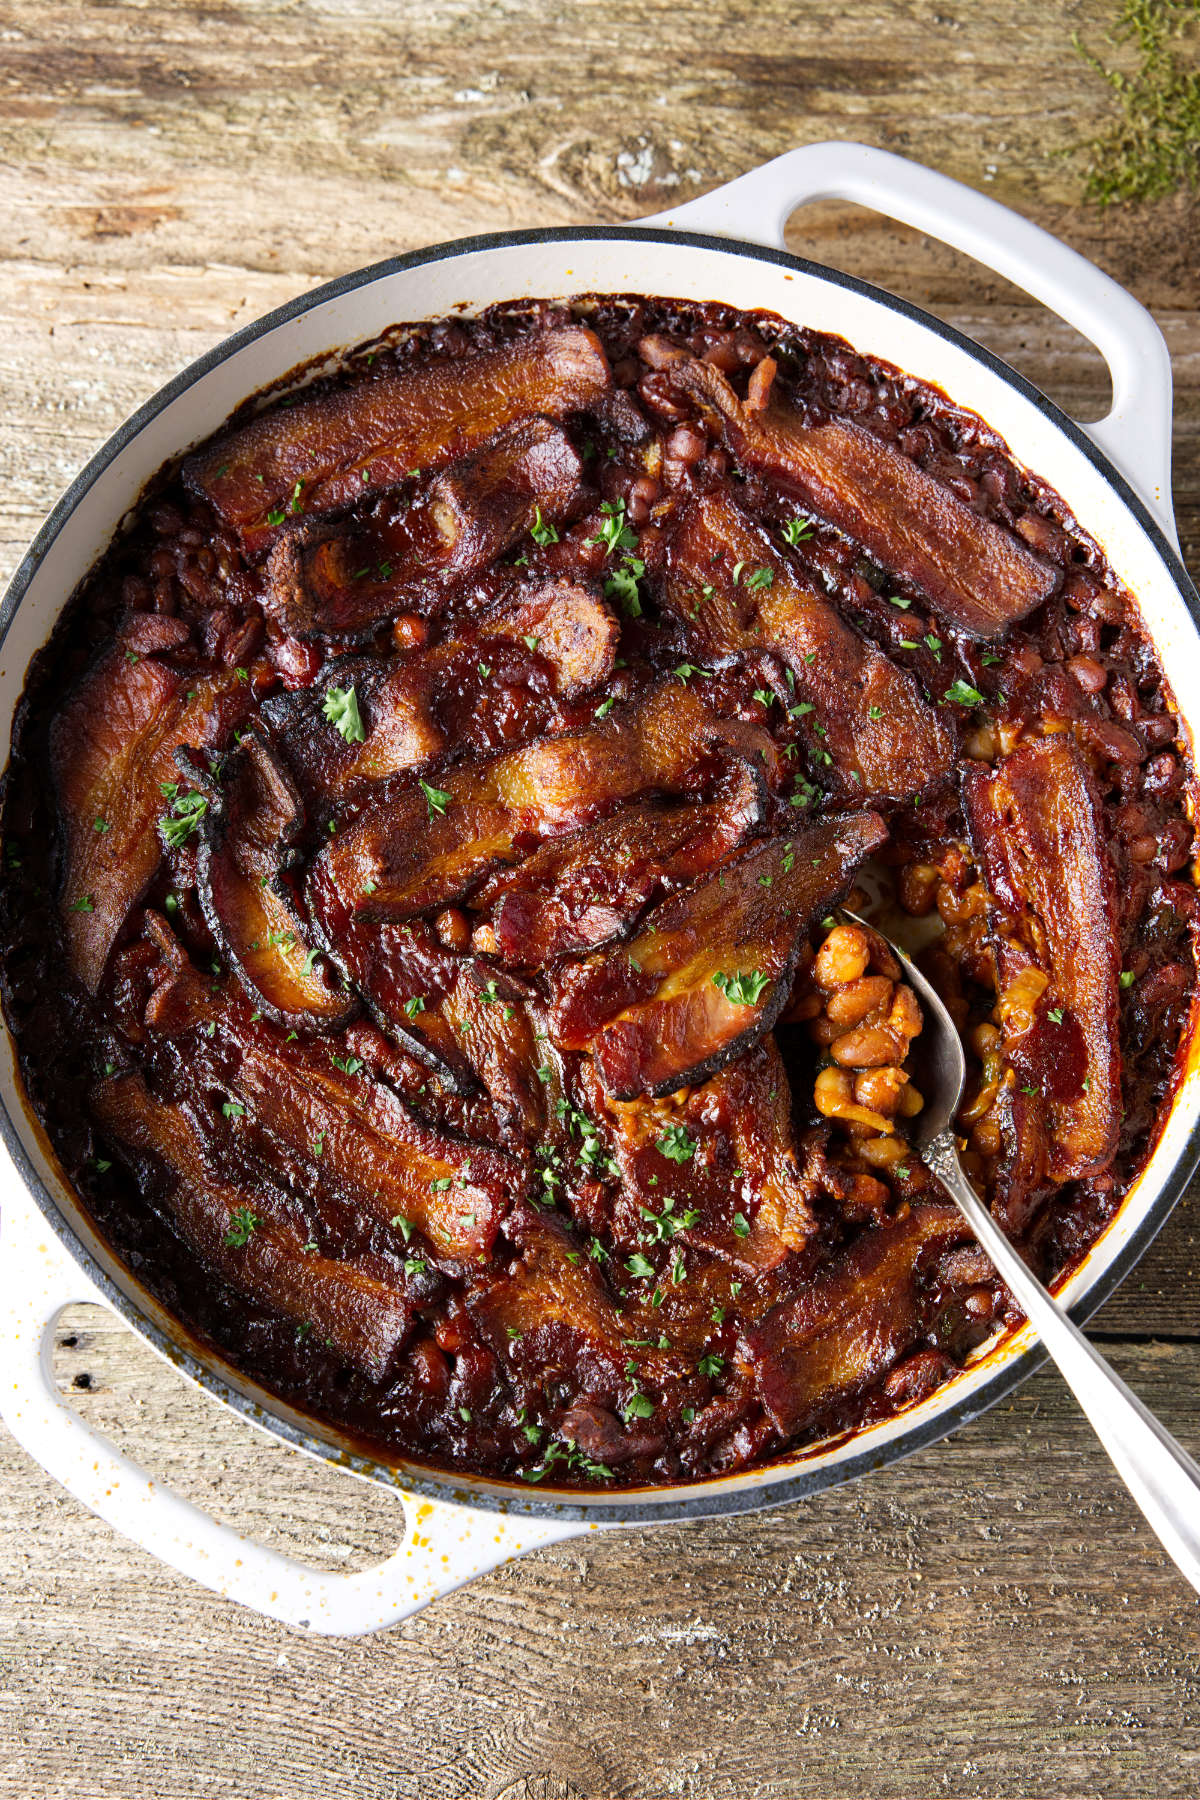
(847, 1328)
(254, 818)
(355, 439)
(551, 1310)
(322, 1122)
(344, 579)
(709, 971)
(579, 892)
(409, 849)
(112, 748)
(312, 1122)
(975, 574)
(1037, 830)
(869, 731)
(561, 628)
(358, 1305)
(735, 1188)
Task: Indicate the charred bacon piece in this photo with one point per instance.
(866, 725)
(404, 703)
(254, 818)
(413, 848)
(975, 574)
(845, 1330)
(342, 580)
(112, 751)
(721, 1172)
(587, 889)
(351, 441)
(709, 971)
(325, 1124)
(551, 1311)
(359, 1305)
(1036, 826)
(310, 1122)
(404, 976)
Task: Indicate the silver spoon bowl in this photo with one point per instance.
(1158, 1472)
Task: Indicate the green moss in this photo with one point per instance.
(1154, 147)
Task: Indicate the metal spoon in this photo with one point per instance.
(1158, 1472)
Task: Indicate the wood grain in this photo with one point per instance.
(990, 1618)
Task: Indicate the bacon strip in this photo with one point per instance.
(975, 574)
(709, 972)
(1037, 830)
(551, 1312)
(738, 1184)
(313, 1123)
(254, 818)
(404, 703)
(112, 747)
(842, 1333)
(358, 1305)
(355, 439)
(343, 580)
(408, 851)
(868, 730)
(588, 889)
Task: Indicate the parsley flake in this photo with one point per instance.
(341, 709)
(745, 988)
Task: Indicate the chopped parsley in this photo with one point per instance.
(436, 799)
(541, 531)
(185, 815)
(638, 1406)
(676, 1144)
(963, 694)
(567, 1452)
(746, 988)
(614, 533)
(622, 585)
(711, 1366)
(741, 1225)
(796, 530)
(665, 1224)
(341, 709)
(640, 1265)
(243, 1223)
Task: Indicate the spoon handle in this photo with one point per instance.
(1158, 1472)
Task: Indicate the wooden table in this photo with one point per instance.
(990, 1618)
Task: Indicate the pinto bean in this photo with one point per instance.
(843, 957)
(866, 1047)
(850, 1005)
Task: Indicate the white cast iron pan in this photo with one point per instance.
(1116, 477)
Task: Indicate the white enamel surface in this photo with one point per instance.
(464, 1540)
(1136, 434)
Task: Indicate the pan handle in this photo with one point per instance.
(443, 1546)
(1136, 434)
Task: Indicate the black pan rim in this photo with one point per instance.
(774, 1484)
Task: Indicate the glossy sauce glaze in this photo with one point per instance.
(422, 843)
